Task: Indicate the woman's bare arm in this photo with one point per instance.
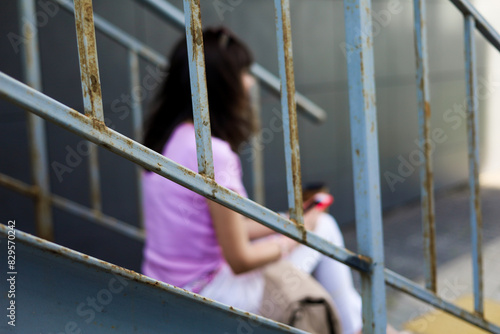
(256, 230)
(234, 233)
(233, 237)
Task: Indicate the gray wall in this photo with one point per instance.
(320, 69)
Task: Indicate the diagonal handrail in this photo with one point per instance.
(482, 24)
(40, 104)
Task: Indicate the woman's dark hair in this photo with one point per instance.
(226, 59)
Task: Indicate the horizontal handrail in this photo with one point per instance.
(75, 208)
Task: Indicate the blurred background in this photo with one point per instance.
(320, 72)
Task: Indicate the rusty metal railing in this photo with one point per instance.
(370, 260)
(472, 21)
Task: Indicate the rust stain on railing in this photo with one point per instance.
(296, 210)
(89, 68)
(424, 121)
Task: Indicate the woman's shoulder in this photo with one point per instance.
(183, 141)
(222, 148)
(183, 133)
(186, 133)
(182, 149)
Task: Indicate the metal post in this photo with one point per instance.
(91, 88)
(361, 80)
(288, 106)
(36, 125)
(133, 61)
(194, 37)
(424, 120)
(87, 52)
(257, 149)
(473, 148)
(95, 179)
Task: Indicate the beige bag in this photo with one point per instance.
(295, 298)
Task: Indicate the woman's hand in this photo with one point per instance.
(233, 237)
(285, 244)
(234, 232)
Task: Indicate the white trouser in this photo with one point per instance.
(245, 291)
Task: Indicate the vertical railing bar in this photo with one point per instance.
(288, 106)
(133, 61)
(89, 67)
(91, 89)
(364, 142)
(257, 149)
(201, 115)
(36, 125)
(424, 119)
(473, 149)
(95, 179)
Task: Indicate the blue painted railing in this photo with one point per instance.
(370, 260)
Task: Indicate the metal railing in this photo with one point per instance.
(472, 20)
(370, 260)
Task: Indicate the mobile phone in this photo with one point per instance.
(320, 201)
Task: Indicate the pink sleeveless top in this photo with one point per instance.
(181, 246)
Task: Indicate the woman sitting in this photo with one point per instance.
(197, 244)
